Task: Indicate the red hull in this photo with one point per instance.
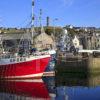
(28, 69)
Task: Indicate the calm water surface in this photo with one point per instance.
(51, 88)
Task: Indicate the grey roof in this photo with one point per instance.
(14, 36)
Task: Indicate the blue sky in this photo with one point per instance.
(17, 13)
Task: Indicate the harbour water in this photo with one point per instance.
(51, 88)
(61, 86)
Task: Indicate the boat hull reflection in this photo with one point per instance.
(31, 89)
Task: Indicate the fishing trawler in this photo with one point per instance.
(31, 65)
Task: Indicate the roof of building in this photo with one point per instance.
(14, 36)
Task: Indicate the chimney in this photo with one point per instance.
(48, 21)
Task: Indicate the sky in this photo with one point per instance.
(17, 13)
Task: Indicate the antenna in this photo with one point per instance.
(32, 21)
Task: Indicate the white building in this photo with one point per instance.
(76, 43)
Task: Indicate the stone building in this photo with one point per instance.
(98, 41)
(43, 41)
(91, 41)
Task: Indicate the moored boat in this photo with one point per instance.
(23, 67)
(24, 64)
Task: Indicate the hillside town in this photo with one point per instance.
(69, 37)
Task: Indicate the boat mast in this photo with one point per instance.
(40, 18)
(32, 27)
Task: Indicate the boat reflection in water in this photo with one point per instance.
(50, 84)
(60, 87)
(23, 90)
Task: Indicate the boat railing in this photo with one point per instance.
(40, 53)
(18, 59)
(12, 58)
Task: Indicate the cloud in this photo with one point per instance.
(67, 3)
